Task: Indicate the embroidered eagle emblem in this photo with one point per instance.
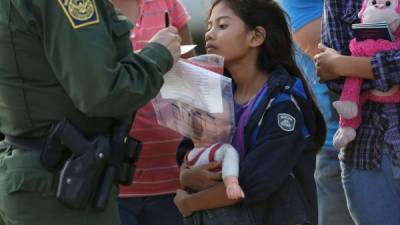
(80, 13)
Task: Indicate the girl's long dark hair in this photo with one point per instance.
(277, 49)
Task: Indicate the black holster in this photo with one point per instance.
(90, 166)
(121, 165)
(80, 175)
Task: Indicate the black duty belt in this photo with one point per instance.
(23, 143)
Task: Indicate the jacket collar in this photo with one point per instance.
(278, 80)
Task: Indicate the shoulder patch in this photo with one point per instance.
(286, 122)
(80, 13)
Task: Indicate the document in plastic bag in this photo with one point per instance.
(196, 101)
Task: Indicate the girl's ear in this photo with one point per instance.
(257, 36)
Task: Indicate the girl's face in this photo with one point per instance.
(227, 34)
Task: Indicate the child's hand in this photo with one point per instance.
(179, 201)
(233, 190)
(200, 178)
(327, 64)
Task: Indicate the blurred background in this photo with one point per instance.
(198, 11)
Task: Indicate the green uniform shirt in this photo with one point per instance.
(71, 58)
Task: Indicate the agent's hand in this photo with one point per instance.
(200, 178)
(326, 63)
(169, 37)
(179, 201)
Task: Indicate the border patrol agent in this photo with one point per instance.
(66, 59)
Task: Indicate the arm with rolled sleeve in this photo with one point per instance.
(336, 31)
(95, 64)
(378, 72)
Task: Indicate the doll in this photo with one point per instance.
(229, 158)
(209, 148)
(351, 99)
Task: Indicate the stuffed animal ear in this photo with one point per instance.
(363, 7)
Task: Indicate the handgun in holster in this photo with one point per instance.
(91, 166)
(80, 175)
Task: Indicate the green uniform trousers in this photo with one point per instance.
(27, 194)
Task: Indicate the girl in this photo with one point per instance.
(156, 178)
(278, 124)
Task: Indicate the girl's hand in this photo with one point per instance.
(179, 201)
(327, 63)
(200, 178)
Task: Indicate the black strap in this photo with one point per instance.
(32, 144)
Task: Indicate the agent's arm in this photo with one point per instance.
(91, 58)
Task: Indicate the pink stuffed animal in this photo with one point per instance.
(351, 101)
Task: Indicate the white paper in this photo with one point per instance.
(187, 48)
(193, 85)
(184, 49)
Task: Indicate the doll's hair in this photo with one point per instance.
(364, 6)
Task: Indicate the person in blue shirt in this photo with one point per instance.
(305, 19)
(279, 127)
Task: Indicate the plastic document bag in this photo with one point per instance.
(197, 101)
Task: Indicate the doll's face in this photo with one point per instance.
(380, 11)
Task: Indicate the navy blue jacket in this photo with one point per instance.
(277, 172)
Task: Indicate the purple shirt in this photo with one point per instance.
(242, 115)
(380, 122)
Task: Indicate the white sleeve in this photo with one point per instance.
(229, 157)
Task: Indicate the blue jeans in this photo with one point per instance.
(231, 215)
(332, 208)
(373, 196)
(150, 210)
